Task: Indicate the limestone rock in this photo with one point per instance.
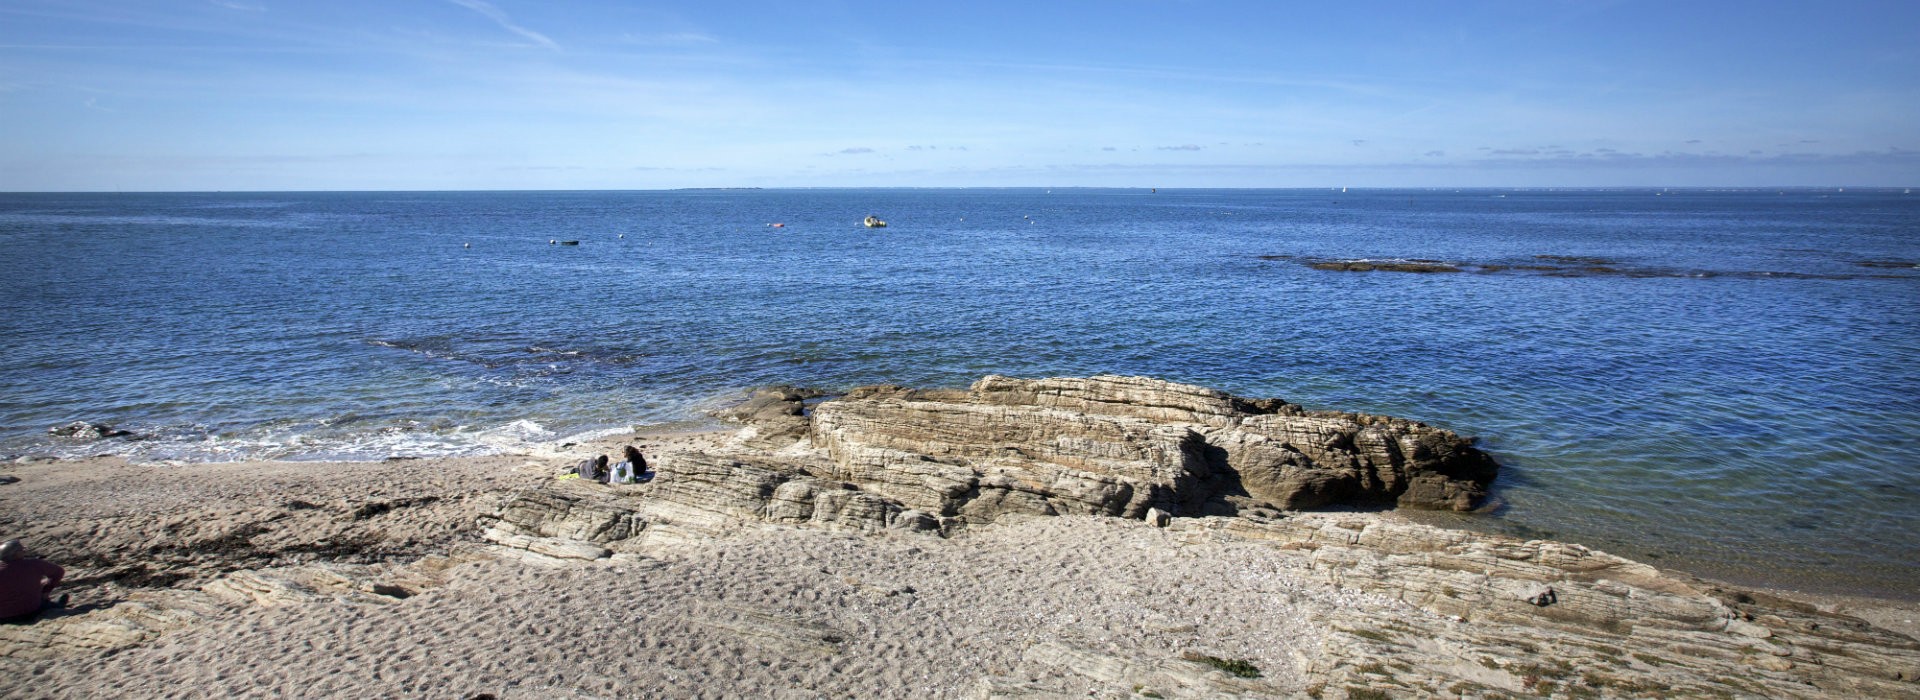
(776, 414)
(889, 457)
(1119, 445)
(692, 496)
(142, 617)
(1615, 626)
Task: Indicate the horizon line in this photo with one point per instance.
(1426, 188)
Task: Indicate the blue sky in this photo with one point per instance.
(516, 94)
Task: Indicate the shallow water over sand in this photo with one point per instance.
(1755, 406)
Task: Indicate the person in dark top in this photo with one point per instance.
(25, 583)
(639, 463)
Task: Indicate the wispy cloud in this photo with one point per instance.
(1183, 147)
(243, 7)
(857, 150)
(487, 10)
(670, 39)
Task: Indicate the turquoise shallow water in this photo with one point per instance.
(1740, 395)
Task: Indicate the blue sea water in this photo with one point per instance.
(1747, 404)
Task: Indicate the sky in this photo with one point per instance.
(177, 95)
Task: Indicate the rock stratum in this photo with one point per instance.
(1193, 482)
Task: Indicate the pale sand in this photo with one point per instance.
(770, 613)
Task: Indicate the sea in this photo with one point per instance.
(1719, 381)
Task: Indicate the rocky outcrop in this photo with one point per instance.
(776, 415)
(888, 457)
(693, 497)
(145, 614)
(1551, 618)
(1503, 616)
(1120, 445)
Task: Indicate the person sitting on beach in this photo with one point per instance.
(639, 463)
(25, 583)
(593, 469)
(629, 470)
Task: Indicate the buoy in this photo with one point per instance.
(623, 235)
(466, 245)
(552, 242)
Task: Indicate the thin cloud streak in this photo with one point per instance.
(494, 13)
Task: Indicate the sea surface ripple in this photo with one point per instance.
(1746, 403)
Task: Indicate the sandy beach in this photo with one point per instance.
(906, 617)
(303, 579)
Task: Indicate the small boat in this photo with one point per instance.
(873, 222)
(777, 225)
(569, 243)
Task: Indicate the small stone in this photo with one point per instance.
(1158, 518)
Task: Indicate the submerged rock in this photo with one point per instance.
(1581, 266)
(1383, 266)
(82, 430)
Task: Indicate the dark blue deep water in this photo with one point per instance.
(1736, 393)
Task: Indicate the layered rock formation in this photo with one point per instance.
(1506, 616)
(1120, 445)
(933, 461)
